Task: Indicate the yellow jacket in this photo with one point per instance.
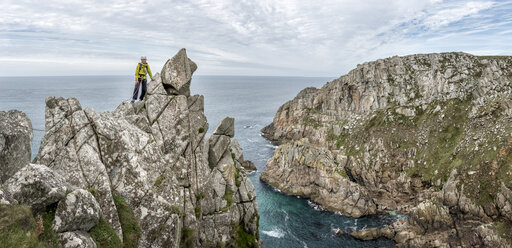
(141, 71)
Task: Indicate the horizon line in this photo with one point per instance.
(201, 75)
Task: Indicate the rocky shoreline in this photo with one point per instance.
(427, 135)
(143, 175)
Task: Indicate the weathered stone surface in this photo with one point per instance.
(219, 144)
(77, 239)
(78, 211)
(36, 186)
(155, 155)
(15, 142)
(6, 198)
(301, 169)
(177, 73)
(249, 166)
(431, 216)
(427, 135)
(226, 127)
(366, 234)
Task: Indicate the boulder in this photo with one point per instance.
(78, 211)
(77, 239)
(177, 73)
(36, 186)
(226, 127)
(15, 142)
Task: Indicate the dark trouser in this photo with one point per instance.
(136, 90)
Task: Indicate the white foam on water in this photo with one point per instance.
(315, 206)
(276, 233)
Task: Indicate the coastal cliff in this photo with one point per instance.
(427, 135)
(143, 175)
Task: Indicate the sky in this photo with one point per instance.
(240, 37)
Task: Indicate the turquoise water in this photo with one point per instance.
(285, 221)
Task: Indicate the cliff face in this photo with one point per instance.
(411, 130)
(156, 180)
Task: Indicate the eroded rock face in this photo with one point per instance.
(177, 73)
(15, 142)
(36, 186)
(6, 198)
(307, 171)
(77, 239)
(182, 187)
(226, 127)
(78, 211)
(415, 130)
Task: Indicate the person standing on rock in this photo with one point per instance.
(140, 78)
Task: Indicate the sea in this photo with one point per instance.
(285, 221)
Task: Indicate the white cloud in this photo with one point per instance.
(266, 37)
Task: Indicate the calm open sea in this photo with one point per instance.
(285, 221)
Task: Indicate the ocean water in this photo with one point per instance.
(285, 221)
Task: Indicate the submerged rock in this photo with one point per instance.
(15, 142)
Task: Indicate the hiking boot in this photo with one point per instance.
(132, 101)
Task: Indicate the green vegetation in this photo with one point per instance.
(105, 236)
(199, 196)
(175, 210)
(342, 173)
(159, 180)
(228, 197)
(129, 224)
(198, 211)
(93, 191)
(187, 237)
(242, 239)
(308, 121)
(504, 230)
(201, 130)
(49, 236)
(18, 227)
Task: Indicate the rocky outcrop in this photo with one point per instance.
(300, 169)
(177, 74)
(78, 211)
(15, 142)
(411, 131)
(77, 239)
(182, 187)
(36, 186)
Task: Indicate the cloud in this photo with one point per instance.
(266, 37)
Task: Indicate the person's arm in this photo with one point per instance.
(150, 74)
(137, 73)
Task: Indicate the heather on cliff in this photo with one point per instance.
(413, 134)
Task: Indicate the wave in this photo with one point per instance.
(271, 146)
(315, 206)
(276, 233)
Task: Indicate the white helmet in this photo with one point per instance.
(142, 57)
